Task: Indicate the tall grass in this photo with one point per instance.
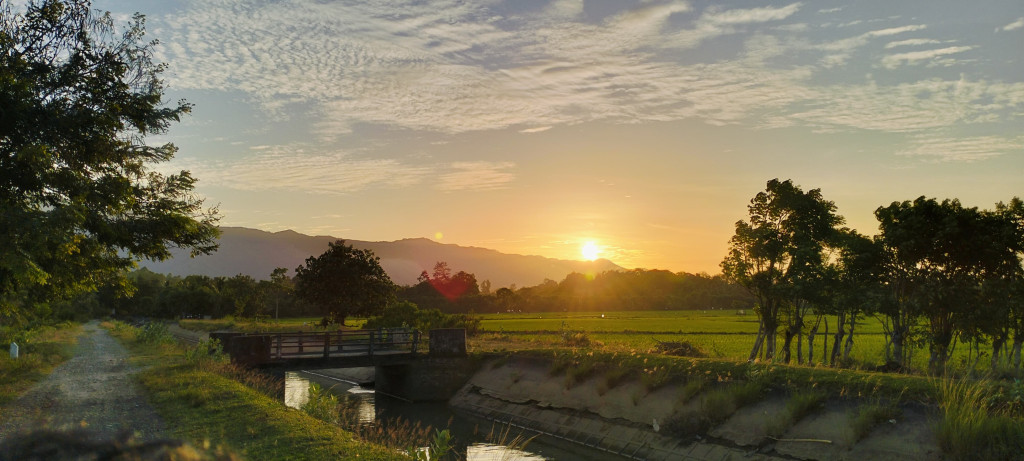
(41, 350)
(870, 415)
(970, 427)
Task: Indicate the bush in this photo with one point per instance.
(154, 333)
(679, 348)
(870, 415)
(405, 314)
(322, 404)
(970, 429)
(205, 353)
(573, 338)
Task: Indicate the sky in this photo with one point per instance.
(537, 126)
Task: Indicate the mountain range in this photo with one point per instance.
(256, 253)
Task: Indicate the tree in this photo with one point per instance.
(778, 252)
(939, 255)
(343, 282)
(79, 201)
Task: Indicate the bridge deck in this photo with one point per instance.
(333, 348)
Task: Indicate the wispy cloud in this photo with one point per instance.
(915, 57)
(452, 67)
(911, 42)
(477, 176)
(1019, 23)
(961, 149)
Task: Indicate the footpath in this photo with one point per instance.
(94, 391)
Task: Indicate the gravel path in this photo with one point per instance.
(94, 390)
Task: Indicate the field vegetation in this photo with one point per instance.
(41, 349)
(215, 405)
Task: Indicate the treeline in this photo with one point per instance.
(168, 296)
(938, 274)
(637, 289)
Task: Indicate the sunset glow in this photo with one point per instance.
(519, 126)
(590, 251)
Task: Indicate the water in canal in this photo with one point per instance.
(470, 433)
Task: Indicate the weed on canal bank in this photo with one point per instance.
(213, 404)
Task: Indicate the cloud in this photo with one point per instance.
(906, 108)
(895, 60)
(476, 176)
(1019, 23)
(294, 168)
(961, 149)
(451, 67)
(911, 42)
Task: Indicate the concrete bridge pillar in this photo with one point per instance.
(436, 377)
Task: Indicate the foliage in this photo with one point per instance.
(779, 252)
(206, 354)
(154, 333)
(322, 404)
(870, 415)
(343, 282)
(680, 348)
(406, 314)
(573, 338)
(938, 256)
(78, 194)
(213, 405)
(970, 429)
(42, 349)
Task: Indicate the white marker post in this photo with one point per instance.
(14, 350)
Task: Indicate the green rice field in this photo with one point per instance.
(727, 334)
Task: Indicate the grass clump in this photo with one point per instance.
(206, 401)
(41, 349)
(798, 406)
(679, 348)
(870, 415)
(971, 428)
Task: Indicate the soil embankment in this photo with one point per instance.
(633, 422)
(93, 391)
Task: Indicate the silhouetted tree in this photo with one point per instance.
(344, 281)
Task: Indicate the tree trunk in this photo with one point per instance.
(1017, 341)
(849, 338)
(769, 350)
(938, 354)
(786, 345)
(757, 345)
(800, 348)
(810, 341)
(824, 344)
(837, 341)
(997, 346)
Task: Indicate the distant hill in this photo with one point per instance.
(256, 253)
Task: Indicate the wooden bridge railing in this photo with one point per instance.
(343, 343)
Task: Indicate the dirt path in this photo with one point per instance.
(94, 390)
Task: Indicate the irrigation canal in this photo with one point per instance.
(470, 433)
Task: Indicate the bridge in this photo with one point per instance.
(400, 367)
(329, 349)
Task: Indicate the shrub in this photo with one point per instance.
(573, 338)
(205, 353)
(322, 404)
(970, 429)
(679, 348)
(154, 333)
(870, 415)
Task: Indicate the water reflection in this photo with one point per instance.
(470, 434)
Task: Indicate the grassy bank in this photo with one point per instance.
(263, 326)
(215, 405)
(41, 350)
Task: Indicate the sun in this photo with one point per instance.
(590, 251)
